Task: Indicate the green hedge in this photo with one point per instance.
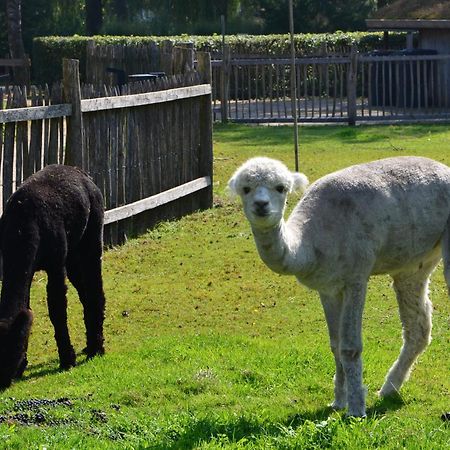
(48, 52)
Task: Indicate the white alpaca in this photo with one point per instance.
(388, 216)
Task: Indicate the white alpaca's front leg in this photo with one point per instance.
(332, 307)
(351, 347)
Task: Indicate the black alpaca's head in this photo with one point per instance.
(13, 344)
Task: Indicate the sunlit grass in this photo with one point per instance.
(207, 348)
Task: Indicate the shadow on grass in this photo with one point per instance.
(382, 405)
(49, 368)
(207, 429)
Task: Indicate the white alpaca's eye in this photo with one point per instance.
(246, 189)
(280, 188)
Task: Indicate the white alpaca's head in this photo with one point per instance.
(263, 185)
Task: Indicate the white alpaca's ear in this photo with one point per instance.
(299, 182)
(232, 186)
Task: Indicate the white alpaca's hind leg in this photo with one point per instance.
(446, 254)
(350, 346)
(332, 307)
(415, 313)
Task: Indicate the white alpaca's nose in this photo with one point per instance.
(261, 207)
(261, 202)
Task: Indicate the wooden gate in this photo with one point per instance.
(350, 88)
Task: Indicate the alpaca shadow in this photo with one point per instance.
(36, 371)
(206, 429)
(48, 368)
(385, 404)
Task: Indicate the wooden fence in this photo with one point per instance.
(147, 146)
(350, 88)
(104, 62)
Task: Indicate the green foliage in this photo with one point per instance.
(48, 52)
(196, 17)
(209, 349)
(45, 17)
(317, 16)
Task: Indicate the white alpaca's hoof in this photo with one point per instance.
(387, 390)
(359, 415)
(338, 405)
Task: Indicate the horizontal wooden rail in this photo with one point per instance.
(103, 103)
(6, 62)
(402, 58)
(329, 60)
(35, 113)
(147, 98)
(284, 61)
(289, 120)
(123, 212)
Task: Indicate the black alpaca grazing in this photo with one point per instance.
(53, 222)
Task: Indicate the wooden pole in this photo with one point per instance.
(225, 83)
(75, 152)
(224, 74)
(206, 145)
(351, 86)
(222, 30)
(293, 83)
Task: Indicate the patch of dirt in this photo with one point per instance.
(46, 412)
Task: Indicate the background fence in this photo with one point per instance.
(350, 88)
(147, 145)
(108, 64)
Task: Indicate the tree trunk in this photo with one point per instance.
(15, 40)
(94, 16)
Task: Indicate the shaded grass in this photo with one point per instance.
(207, 348)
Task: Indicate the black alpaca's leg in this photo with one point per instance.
(57, 309)
(23, 365)
(15, 294)
(85, 275)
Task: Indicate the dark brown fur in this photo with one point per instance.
(53, 222)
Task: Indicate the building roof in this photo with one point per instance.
(415, 9)
(406, 24)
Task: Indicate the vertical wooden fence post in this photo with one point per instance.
(225, 83)
(352, 86)
(75, 149)
(166, 55)
(206, 146)
(183, 58)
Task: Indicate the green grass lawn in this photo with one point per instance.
(207, 348)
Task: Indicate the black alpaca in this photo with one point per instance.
(53, 222)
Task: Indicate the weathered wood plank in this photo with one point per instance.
(75, 151)
(147, 98)
(35, 113)
(123, 212)
(403, 58)
(8, 152)
(21, 138)
(53, 150)
(6, 62)
(285, 61)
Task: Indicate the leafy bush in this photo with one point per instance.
(48, 52)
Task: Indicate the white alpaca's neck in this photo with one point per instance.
(280, 248)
